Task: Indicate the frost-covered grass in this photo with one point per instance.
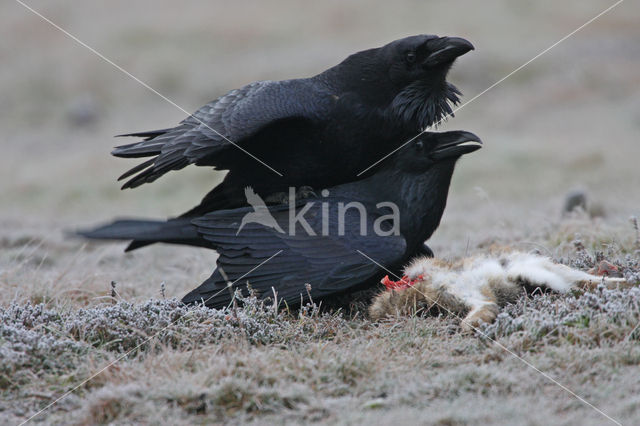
(251, 363)
(37, 339)
(596, 318)
(41, 345)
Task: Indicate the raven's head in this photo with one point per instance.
(418, 68)
(432, 148)
(405, 78)
(425, 165)
(422, 58)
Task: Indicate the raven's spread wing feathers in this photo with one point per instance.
(233, 117)
(329, 263)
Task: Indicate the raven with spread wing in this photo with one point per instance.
(328, 240)
(319, 131)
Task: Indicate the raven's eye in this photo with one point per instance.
(410, 57)
(419, 145)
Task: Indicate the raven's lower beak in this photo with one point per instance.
(445, 50)
(455, 144)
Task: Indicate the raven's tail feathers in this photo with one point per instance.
(145, 148)
(148, 135)
(166, 155)
(145, 232)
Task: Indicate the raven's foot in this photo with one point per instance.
(283, 197)
(305, 192)
(277, 198)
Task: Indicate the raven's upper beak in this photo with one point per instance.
(446, 50)
(455, 144)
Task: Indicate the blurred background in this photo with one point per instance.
(568, 121)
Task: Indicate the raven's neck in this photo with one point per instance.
(410, 108)
(421, 198)
(424, 103)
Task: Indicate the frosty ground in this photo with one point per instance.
(256, 364)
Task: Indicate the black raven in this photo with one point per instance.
(322, 241)
(319, 131)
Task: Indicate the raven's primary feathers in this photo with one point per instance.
(215, 127)
(328, 244)
(319, 131)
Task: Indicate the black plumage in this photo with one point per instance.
(326, 252)
(319, 131)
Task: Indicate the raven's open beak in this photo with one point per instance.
(445, 50)
(455, 144)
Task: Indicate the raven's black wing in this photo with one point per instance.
(328, 262)
(218, 125)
